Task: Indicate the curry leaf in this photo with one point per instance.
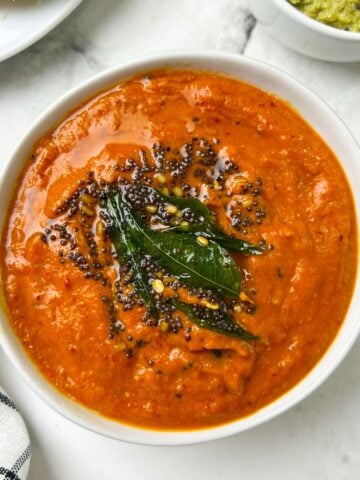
(128, 251)
(208, 267)
(200, 210)
(203, 225)
(219, 322)
(235, 244)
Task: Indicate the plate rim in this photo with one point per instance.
(39, 34)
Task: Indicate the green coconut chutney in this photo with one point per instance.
(343, 14)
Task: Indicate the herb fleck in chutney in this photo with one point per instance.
(146, 268)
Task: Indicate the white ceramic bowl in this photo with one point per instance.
(304, 34)
(314, 110)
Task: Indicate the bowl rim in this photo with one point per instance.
(134, 434)
(316, 25)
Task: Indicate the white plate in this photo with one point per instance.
(24, 22)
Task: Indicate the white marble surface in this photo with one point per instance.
(317, 440)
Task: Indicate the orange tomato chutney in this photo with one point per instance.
(301, 286)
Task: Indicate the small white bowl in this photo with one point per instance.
(305, 35)
(314, 110)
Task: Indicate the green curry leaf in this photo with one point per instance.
(203, 225)
(209, 267)
(213, 320)
(128, 251)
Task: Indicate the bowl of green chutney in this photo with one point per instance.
(324, 29)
